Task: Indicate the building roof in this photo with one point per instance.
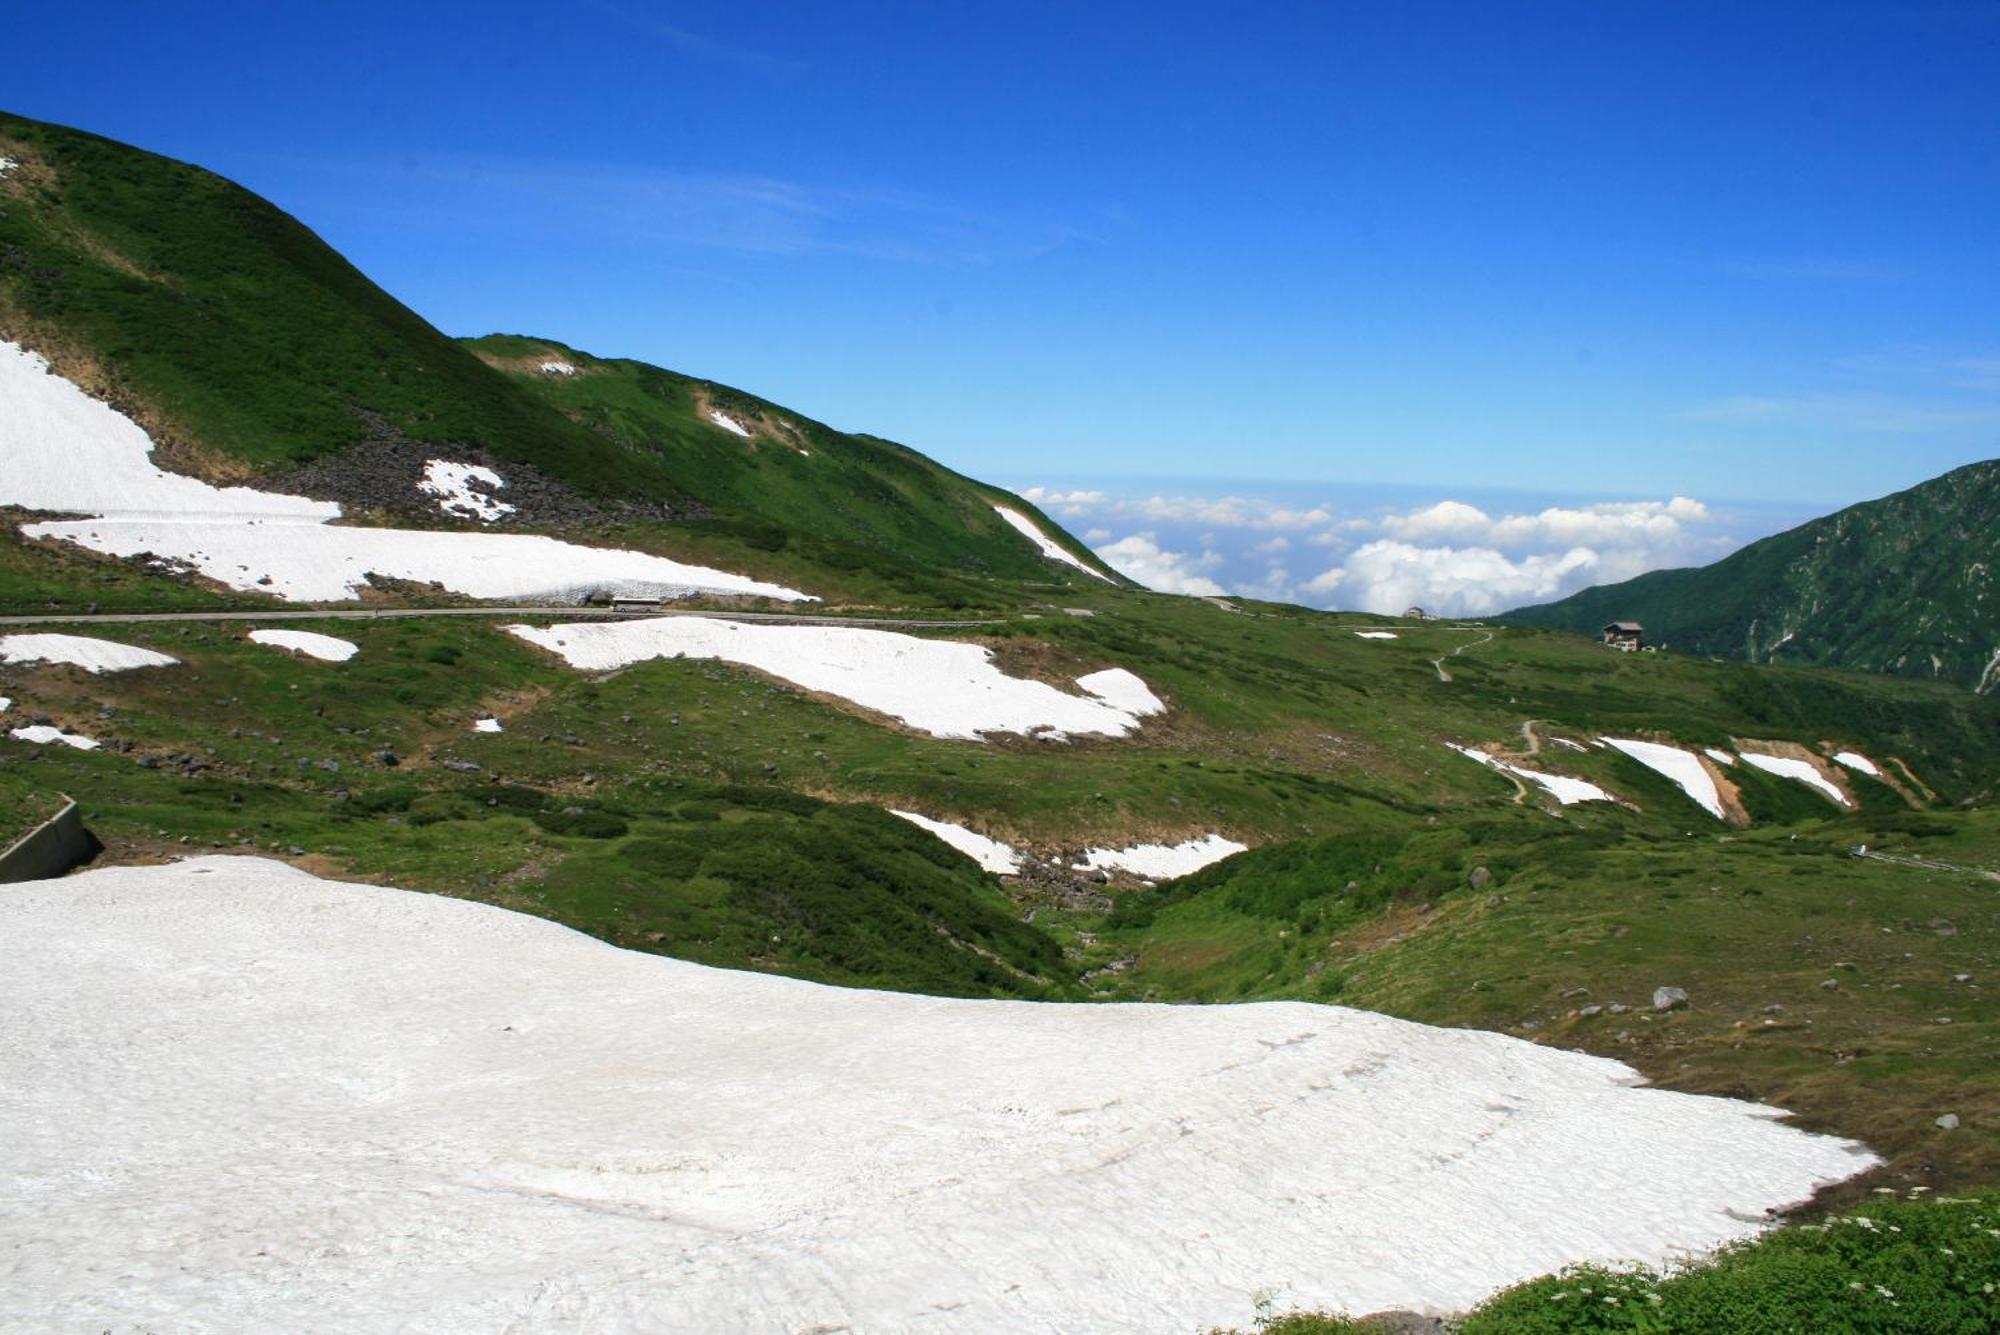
(1632, 627)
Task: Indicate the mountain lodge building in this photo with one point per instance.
(1625, 635)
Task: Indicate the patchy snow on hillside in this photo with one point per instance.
(92, 655)
(238, 1097)
(5, 704)
(944, 687)
(1719, 757)
(67, 452)
(1787, 767)
(1160, 862)
(487, 725)
(1563, 788)
(1377, 634)
(1683, 767)
(557, 368)
(1854, 760)
(990, 854)
(42, 734)
(728, 423)
(1045, 544)
(452, 483)
(327, 648)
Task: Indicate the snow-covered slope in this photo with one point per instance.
(1046, 545)
(1162, 861)
(235, 1097)
(326, 648)
(990, 854)
(87, 652)
(1683, 767)
(944, 687)
(69, 453)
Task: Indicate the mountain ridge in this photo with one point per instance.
(1901, 585)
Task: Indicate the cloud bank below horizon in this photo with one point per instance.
(1449, 556)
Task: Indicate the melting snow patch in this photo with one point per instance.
(91, 655)
(1854, 760)
(327, 648)
(452, 483)
(1162, 861)
(1719, 757)
(1569, 745)
(1046, 545)
(990, 854)
(370, 1126)
(487, 725)
(1683, 767)
(1786, 767)
(1377, 634)
(944, 687)
(42, 734)
(557, 368)
(5, 704)
(69, 453)
(7, 165)
(728, 423)
(1561, 787)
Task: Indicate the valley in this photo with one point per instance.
(379, 655)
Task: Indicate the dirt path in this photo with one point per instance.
(1438, 663)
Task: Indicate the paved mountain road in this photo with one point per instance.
(483, 610)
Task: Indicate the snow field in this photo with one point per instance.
(326, 648)
(1786, 767)
(92, 655)
(990, 854)
(944, 687)
(1563, 788)
(42, 735)
(1161, 862)
(238, 1097)
(1854, 760)
(69, 453)
(557, 368)
(1046, 545)
(452, 483)
(1719, 757)
(1377, 634)
(728, 423)
(1683, 767)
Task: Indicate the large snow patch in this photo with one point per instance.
(70, 453)
(1044, 544)
(326, 648)
(944, 687)
(237, 1097)
(1564, 788)
(1683, 767)
(990, 854)
(92, 655)
(1162, 862)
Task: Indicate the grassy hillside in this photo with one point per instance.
(790, 476)
(246, 346)
(701, 810)
(1901, 585)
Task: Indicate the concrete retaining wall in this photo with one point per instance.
(50, 849)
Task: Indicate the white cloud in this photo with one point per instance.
(1212, 511)
(1387, 576)
(1141, 558)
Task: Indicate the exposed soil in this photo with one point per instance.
(380, 473)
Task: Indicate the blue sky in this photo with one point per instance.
(1742, 253)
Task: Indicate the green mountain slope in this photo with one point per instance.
(248, 347)
(776, 467)
(1902, 585)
